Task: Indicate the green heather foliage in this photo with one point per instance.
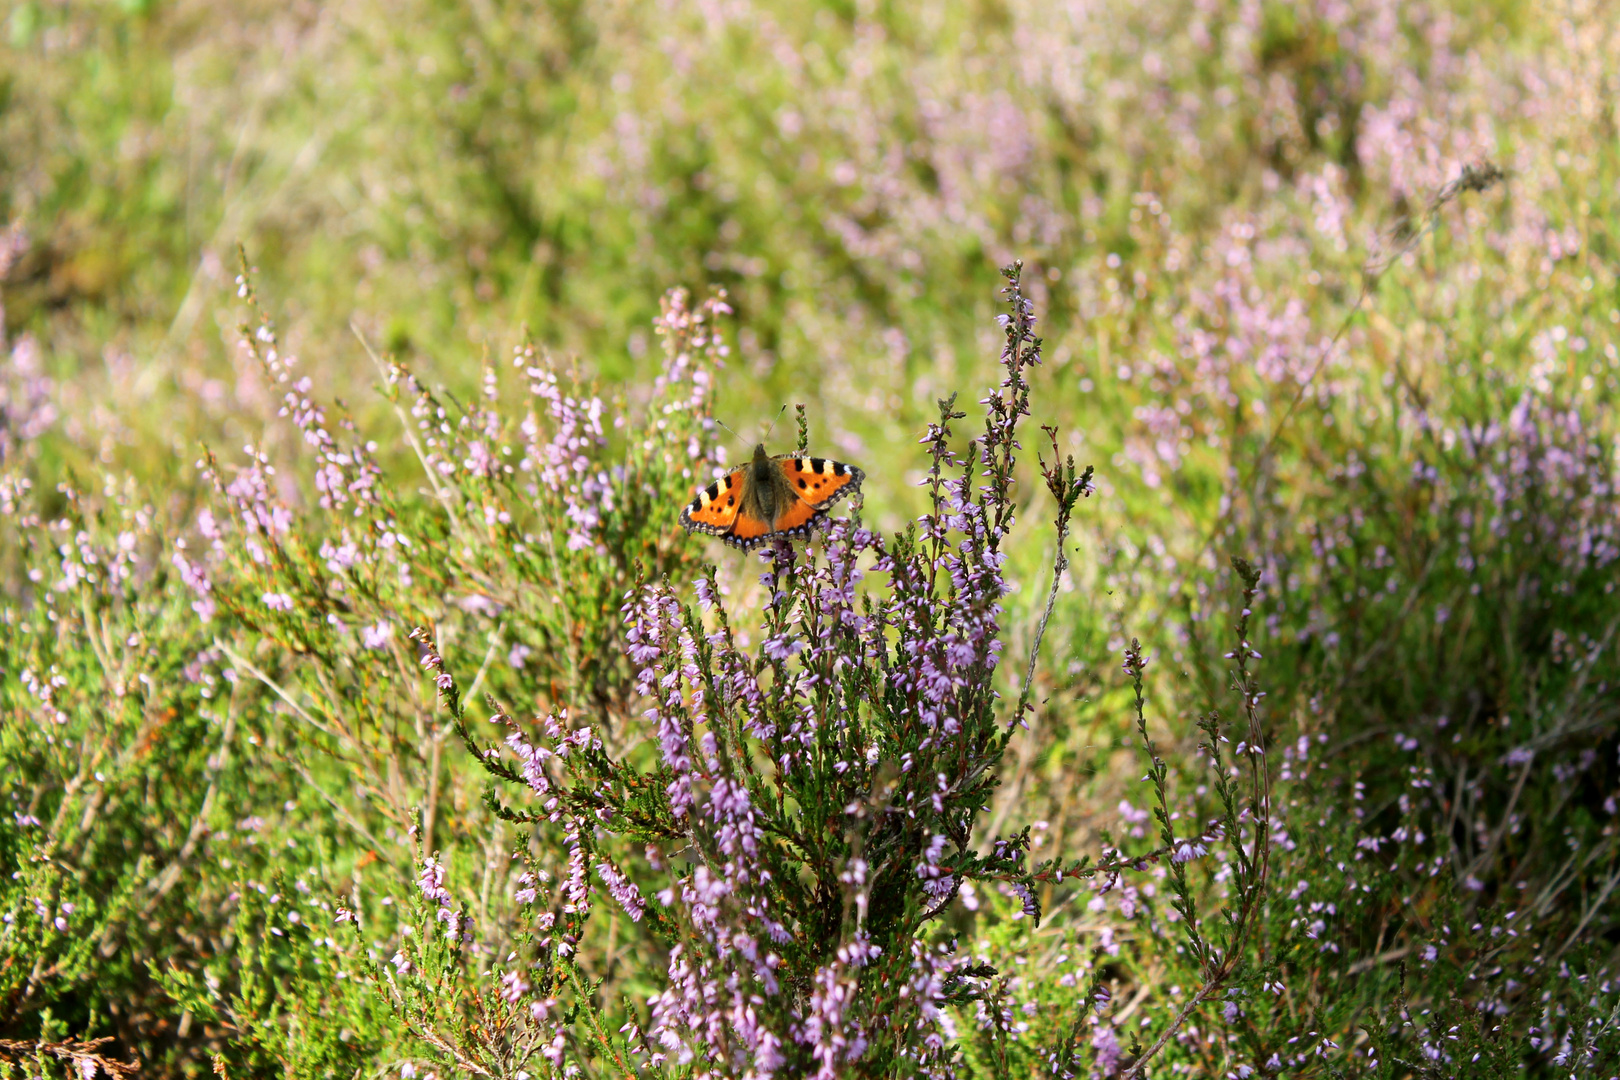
(1216, 675)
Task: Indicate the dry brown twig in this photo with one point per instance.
(74, 1051)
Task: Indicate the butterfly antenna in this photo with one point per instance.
(721, 462)
(772, 427)
(730, 431)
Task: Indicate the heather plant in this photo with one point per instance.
(527, 537)
(793, 816)
(135, 854)
(110, 696)
(804, 808)
(1444, 835)
(135, 675)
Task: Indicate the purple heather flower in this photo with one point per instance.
(1187, 850)
(622, 889)
(431, 882)
(26, 409)
(1028, 907)
(576, 889)
(197, 581)
(1108, 1052)
(513, 986)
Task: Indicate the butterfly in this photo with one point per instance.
(786, 495)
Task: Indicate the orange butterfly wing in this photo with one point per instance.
(748, 530)
(714, 511)
(796, 518)
(819, 483)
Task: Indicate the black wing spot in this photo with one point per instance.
(731, 481)
(838, 468)
(801, 485)
(731, 500)
(818, 464)
(714, 491)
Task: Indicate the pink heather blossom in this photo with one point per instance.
(1187, 850)
(431, 882)
(513, 986)
(622, 889)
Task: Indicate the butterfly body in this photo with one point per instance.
(785, 495)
